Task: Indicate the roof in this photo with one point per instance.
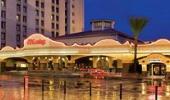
(86, 34)
(102, 20)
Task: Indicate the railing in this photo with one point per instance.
(121, 88)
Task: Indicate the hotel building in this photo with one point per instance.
(52, 18)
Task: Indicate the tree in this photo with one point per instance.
(137, 24)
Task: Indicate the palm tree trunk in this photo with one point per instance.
(135, 54)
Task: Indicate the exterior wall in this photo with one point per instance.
(31, 16)
(75, 18)
(62, 17)
(11, 21)
(47, 18)
(78, 17)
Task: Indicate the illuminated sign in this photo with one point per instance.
(154, 60)
(36, 41)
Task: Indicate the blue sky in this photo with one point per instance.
(157, 12)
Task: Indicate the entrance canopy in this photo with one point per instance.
(153, 58)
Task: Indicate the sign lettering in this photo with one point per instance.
(36, 41)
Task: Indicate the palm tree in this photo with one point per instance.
(137, 24)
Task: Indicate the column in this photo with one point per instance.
(110, 60)
(95, 59)
(0, 68)
(144, 69)
(167, 70)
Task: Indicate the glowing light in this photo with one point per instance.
(167, 93)
(23, 65)
(152, 97)
(51, 85)
(143, 88)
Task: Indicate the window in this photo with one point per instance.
(73, 14)
(24, 9)
(18, 38)
(57, 18)
(57, 10)
(25, 1)
(66, 12)
(3, 14)
(3, 25)
(24, 19)
(42, 13)
(57, 26)
(18, 45)
(52, 34)
(57, 1)
(37, 3)
(18, 7)
(37, 12)
(3, 3)
(52, 17)
(52, 25)
(37, 30)
(53, 1)
(73, 21)
(65, 28)
(42, 4)
(24, 35)
(73, 6)
(57, 34)
(18, 27)
(3, 36)
(24, 29)
(42, 23)
(37, 21)
(42, 31)
(3, 45)
(18, 17)
(52, 8)
(65, 20)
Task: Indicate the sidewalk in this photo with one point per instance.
(64, 74)
(69, 74)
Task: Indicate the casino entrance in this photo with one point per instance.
(155, 66)
(156, 70)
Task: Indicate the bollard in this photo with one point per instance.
(25, 82)
(90, 88)
(156, 92)
(64, 87)
(120, 91)
(42, 88)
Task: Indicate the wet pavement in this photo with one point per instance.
(12, 88)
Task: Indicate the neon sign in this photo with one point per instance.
(36, 41)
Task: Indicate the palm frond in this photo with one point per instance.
(137, 24)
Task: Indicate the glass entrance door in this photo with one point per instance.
(156, 69)
(159, 69)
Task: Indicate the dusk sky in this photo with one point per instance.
(157, 12)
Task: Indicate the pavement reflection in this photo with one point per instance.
(12, 88)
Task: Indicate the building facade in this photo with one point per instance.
(21, 18)
(40, 52)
